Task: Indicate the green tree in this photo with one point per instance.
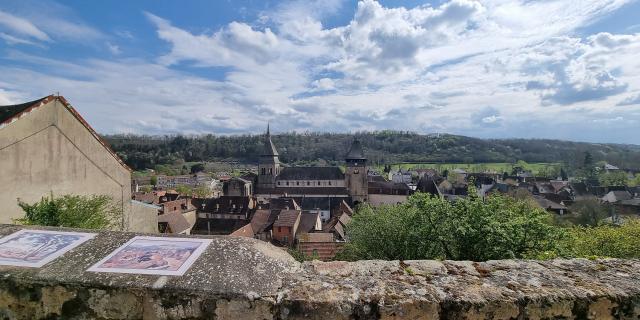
(427, 227)
(614, 178)
(198, 167)
(604, 241)
(201, 192)
(590, 212)
(184, 190)
(153, 180)
(73, 211)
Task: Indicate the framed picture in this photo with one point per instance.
(153, 255)
(35, 248)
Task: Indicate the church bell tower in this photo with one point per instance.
(268, 164)
(356, 177)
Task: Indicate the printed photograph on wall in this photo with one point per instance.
(35, 248)
(153, 255)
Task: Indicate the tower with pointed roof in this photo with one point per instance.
(268, 164)
(356, 179)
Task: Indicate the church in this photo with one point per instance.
(275, 180)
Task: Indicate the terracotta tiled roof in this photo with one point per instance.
(177, 222)
(287, 218)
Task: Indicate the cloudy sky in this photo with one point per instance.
(489, 68)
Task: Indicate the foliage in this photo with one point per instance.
(162, 152)
(590, 212)
(427, 227)
(301, 256)
(201, 192)
(184, 190)
(613, 178)
(604, 241)
(198, 167)
(73, 211)
(153, 180)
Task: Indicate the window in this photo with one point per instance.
(279, 229)
(264, 171)
(278, 182)
(287, 182)
(329, 182)
(270, 171)
(285, 239)
(308, 183)
(297, 183)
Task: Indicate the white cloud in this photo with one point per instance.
(22, 26)
(484, 68)
(113, 48)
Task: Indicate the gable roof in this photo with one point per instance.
(11, 113)
(176, 221)
(262, 219)
(287, 218)
(311, 173)
(308, 222)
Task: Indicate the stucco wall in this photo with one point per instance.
(50, 151)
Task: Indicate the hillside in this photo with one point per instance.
(382, 147)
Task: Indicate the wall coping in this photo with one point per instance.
(243, 278)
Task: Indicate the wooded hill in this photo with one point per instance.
(382, 147)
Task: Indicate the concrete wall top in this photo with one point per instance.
(240, 278)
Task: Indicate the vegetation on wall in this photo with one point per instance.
(73, 211)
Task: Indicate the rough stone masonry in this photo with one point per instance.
(241, 278)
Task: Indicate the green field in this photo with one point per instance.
(536, 168)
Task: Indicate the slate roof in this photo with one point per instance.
(223, 205)
(269, 149)
(287, 218)
(333, 191)
(355, 152)
(217, 226)
(8, 112)
(311, 173)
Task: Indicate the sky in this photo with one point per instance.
(558, 69)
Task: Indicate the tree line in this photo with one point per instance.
(381, 147)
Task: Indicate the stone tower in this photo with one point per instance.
(356, 179)
(268, 164)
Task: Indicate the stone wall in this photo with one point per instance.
(240, 278)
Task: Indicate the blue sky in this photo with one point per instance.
(488, 68)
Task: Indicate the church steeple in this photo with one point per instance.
(269, 164)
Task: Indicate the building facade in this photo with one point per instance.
(46, 147)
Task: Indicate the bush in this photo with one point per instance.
(73, 211)
(604, 241)
(427, 227)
